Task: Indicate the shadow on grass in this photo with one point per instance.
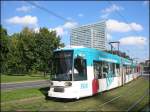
(27, 74)
(37, 76)
(15, 74)
(45, 90)
(119, 104)
(40, 76)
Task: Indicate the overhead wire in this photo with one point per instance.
(49, 11)
(67, 20)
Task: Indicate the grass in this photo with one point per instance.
(20, 94)
(130, 93)
(21, 78)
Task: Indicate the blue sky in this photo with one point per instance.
(132, 30)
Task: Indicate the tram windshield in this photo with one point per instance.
(63, 65)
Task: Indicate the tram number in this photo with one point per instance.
(84, 86)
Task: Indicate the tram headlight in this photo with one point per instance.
(68, 84)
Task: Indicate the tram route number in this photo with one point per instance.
(83, 86)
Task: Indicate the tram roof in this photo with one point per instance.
(93, 52)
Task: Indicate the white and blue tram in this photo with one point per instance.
(82, 72)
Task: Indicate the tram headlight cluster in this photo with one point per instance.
(68, 84)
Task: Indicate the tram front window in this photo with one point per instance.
(80, 71)
(63, 65)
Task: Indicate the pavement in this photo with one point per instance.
(31, 84)
(38, 83)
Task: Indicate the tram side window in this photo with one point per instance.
(112, 69)
(124, 69)
(97, 70)
(132, 69)
(105, 69)
(118, 69)
(80, 71)
(128, 70)
(135, 70)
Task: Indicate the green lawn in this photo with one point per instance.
(131, 92)
(21, 78)
(20, 94)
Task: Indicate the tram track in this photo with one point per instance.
(123, 94)
(116, 98)
(92, 103)
(126, 95)
(138, 101)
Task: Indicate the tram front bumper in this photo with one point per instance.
(68, 93)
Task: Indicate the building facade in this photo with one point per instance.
(91, 35)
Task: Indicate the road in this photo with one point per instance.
(31, 84)
(12, 86)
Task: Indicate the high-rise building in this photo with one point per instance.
(91, 35)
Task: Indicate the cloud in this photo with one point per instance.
(59, 30)
(104, 16)
(25, 8)
(107, 11)
(25, 20)
(112, 8)
(117, 26)
(36, 30)
(80, 15)
(109, 37)
(69, 25)
(63, 29)
(133, 40)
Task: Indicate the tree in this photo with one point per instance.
(15, 56)
(28, 51)
(27, 45)
(4, 48)
(21, 55)
(46, 42)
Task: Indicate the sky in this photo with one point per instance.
(126, 21)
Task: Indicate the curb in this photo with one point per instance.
(24, 81)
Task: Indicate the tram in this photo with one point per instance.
(82, 72)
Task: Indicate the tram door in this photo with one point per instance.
(95, 83)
